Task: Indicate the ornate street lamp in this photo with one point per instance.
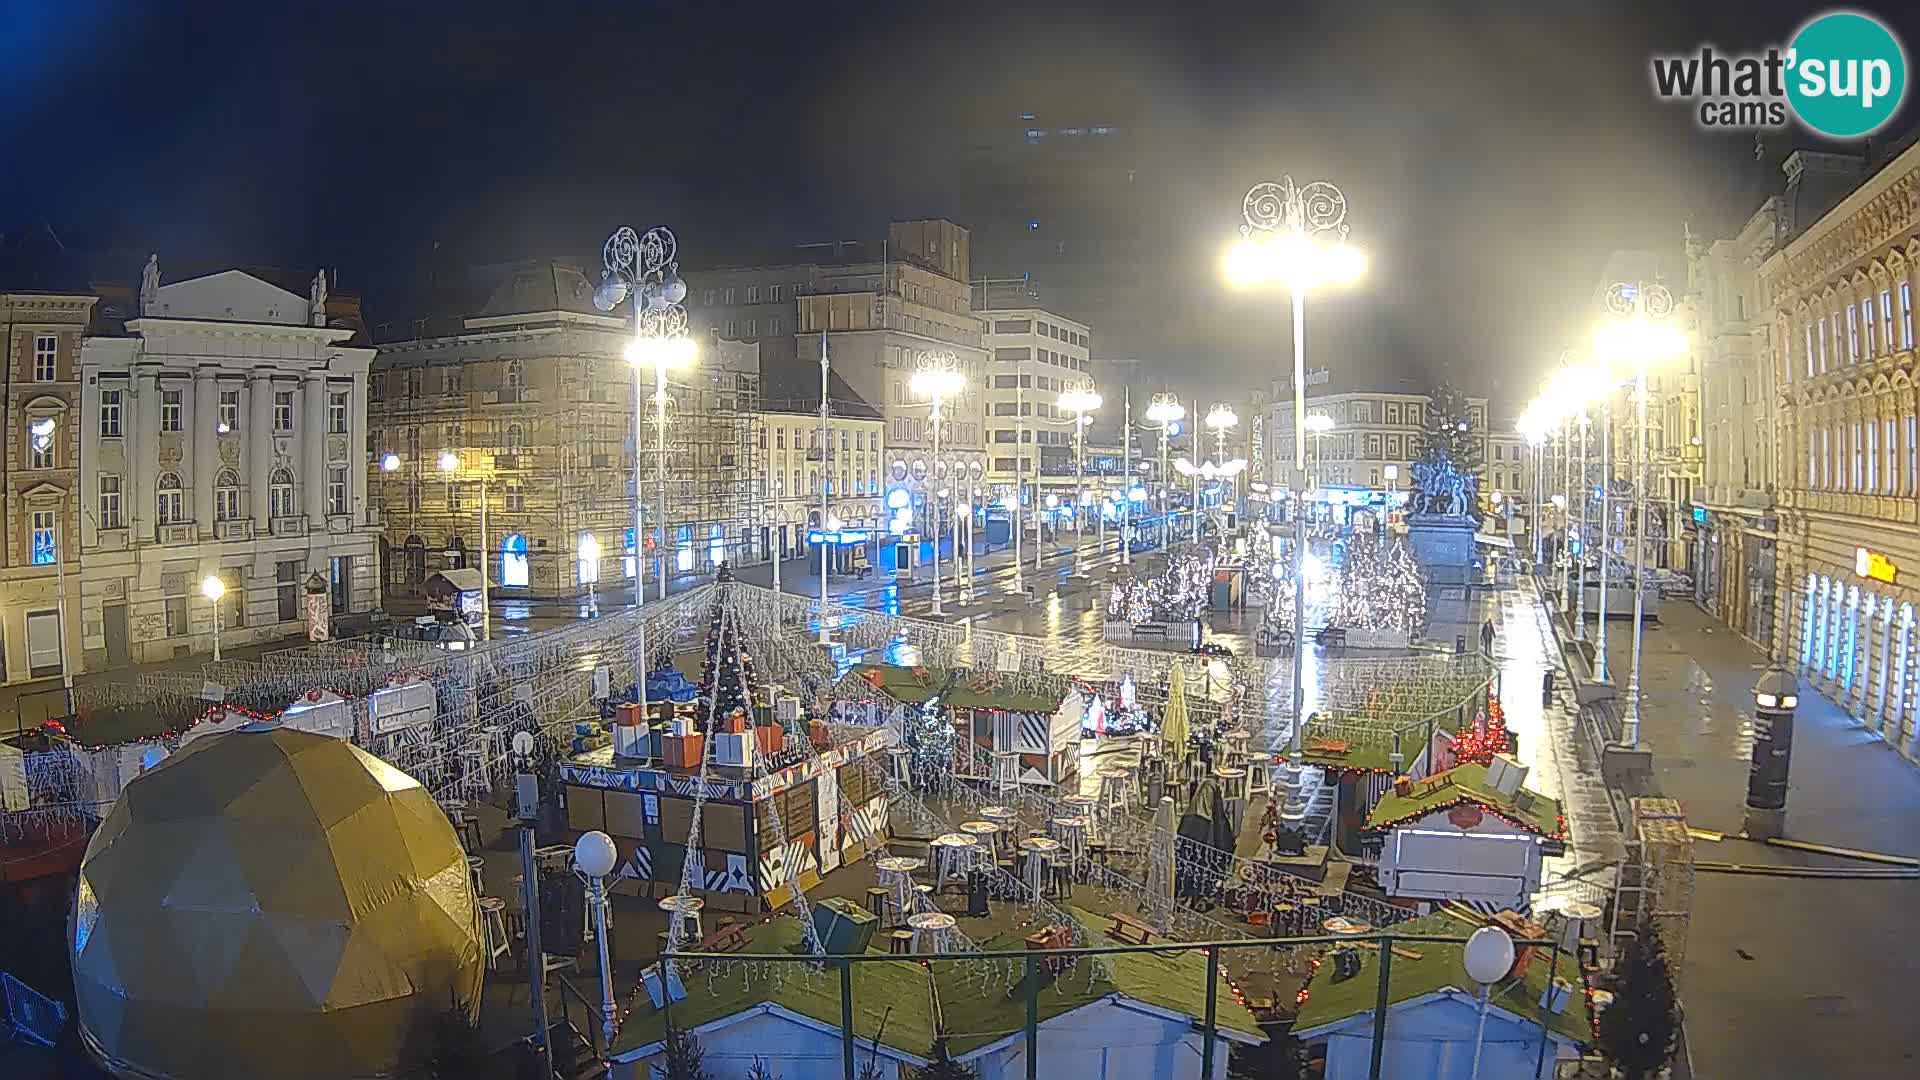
(937, 375)
(1296, 237)
(1081, 401)
(646, 267)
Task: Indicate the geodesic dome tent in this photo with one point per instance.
(272, 902)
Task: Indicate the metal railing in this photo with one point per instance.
(1031, 964)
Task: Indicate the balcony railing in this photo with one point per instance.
(174, 532)
(288, 526)
(236, 529)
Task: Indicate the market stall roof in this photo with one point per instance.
(1440, 968)
(1466, 784)
(459, 579)
(918, 1003)
(972, 690)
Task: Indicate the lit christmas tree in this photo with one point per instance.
(726, 671)
(929, 735)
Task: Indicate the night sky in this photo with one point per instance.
(1492, 154)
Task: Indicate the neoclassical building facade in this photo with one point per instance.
(1841, 297)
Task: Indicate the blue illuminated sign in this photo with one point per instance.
(843, 537)
(1700, 514)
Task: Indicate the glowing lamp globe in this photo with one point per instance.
(594, 854)
(1488, 955)
(272, 902)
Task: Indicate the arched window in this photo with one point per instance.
(516, 438)
(516, 375)
(226, 496)
(170, 505)
(513, 561)
(280, 488)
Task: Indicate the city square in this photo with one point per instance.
(1116, 591)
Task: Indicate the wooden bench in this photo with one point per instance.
(1129, 931)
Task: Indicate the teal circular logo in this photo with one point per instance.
(1846, 74)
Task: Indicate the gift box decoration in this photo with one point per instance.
(733, 748)
(771, 738)
(734, 722)
(683, 751)
(817, 734)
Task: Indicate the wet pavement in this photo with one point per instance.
(1783, 976)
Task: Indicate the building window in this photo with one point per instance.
(280, 492)
(337, 490)
(775, 293)
(1866, 328)
(229, 411)
(728, 297)
(1890, 474)
(753, 294)
(450, 382)
(776, 325)
(1886, 320)
(337, 413)
(283, 410)
(515, 498)
(709, 300)
(1810, 355)
(733, 328)
(171, 410)
(110, 503)
(1906, 315)
(109, 414)
(455, 503)
(1820, 326)
(170, 505)
(226, 496)
(1873, 457)
(516, 438)
(1911, 443)
(516, 376)
(46, 354)
(176, 607)
(45, 544)
(41, 444)
(286, 579)
(1854, 445)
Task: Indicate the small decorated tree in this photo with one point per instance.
(1637, 1031)
(685, 1059)
(1487, 736)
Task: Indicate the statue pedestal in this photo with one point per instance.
(1443, 546)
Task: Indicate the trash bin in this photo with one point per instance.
(1546, 689)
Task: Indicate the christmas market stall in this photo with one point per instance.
(1035, 722)
(1473, 833)
(773, 791)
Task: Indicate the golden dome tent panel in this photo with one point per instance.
(272, 902)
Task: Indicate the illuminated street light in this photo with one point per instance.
(1080, 401)
(213, 589)
(450, 464)
(1636, 333)
(646, 267)
(938, 378)
(590, 567)
(390, 463)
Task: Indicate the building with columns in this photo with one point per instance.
(39, 565)
(223, 431)
(1840, 298)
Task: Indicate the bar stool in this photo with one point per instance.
(1233, 745)
(1116, 787)
(877, 901)
(1233, 782)
(1072, 834)
(1083, 806)
(900, 942)
(1006, 772)
(493, 920)
(1259, 776)
(477, 874)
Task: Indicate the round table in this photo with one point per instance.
(986, 833)
(896, 873)
(935, 926)
(1344, 926)
(953, 856)
(1233, 781)
(1071, 831)
(684, 907)
(1041, 851)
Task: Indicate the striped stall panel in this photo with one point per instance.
(1034, 731)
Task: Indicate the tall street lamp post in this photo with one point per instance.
(646, 268)
(1296, 236)
(1606, 532)
(1222, 419)
(1636, 334)
(938, 377)
(1081, 401)
(589, 571)
(450, 464)
(40, 435)
(213, 589)
(1163, 415)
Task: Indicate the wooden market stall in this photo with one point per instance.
(831, 808)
